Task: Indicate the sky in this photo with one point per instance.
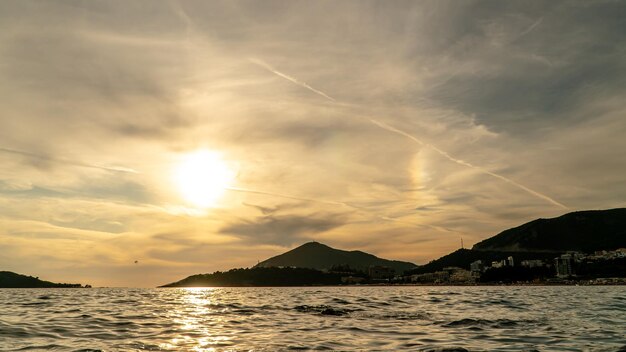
(396, 128)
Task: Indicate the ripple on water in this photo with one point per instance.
(322, 310)
(493, 324)
(330, 318)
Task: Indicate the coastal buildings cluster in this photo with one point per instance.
(508, 269)
(564, 265)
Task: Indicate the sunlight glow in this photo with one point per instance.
(202, 177)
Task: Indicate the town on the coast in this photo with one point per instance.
(600, 267)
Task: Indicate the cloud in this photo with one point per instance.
(38, 159)
(540, 76)
(529, 92)
(266, 210)
(15, 186)
(443, 153)
(284, 230)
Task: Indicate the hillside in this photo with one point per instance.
(10, 279)
(319, 256)
(584, 231)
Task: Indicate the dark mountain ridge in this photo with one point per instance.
(584, 231)
(305, 265)
(319, 256)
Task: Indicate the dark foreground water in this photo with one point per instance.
(331, 318)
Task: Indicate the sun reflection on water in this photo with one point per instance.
(200, 321)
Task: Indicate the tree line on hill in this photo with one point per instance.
(260, 276)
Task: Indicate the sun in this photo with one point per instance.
(202, 177)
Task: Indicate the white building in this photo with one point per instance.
(498, 264)
(510, 261)
(477, 266)
(563, 265)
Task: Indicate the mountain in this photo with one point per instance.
(319, 256)
(10, 279)
(584, 231)
(301, 266)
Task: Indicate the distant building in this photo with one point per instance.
(459, 275)
(352, 279)
(510, 261)
(437, 277)
(532, 263)
(563, 265)
(576, 256)
(380, 272)
(477, 266)
(606, 255)
(447, 275)
(498, 264)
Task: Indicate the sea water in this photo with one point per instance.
(481, 318)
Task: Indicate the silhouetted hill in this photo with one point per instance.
(320, 256)
(12, 280)
(260, 277)
(584, 231)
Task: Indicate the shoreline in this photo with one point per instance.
(321, 286)
(406, 285)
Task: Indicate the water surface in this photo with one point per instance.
(321, 318)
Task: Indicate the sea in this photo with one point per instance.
(354, 318)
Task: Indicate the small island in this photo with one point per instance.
(10, 279)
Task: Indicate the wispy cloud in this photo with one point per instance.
(418, 141)
(284, 230)
(467, 164)
(58, 160)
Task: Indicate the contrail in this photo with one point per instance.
(530, 28)
(291, 79)
(418, 141)
(467, 164)
(68, 162)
